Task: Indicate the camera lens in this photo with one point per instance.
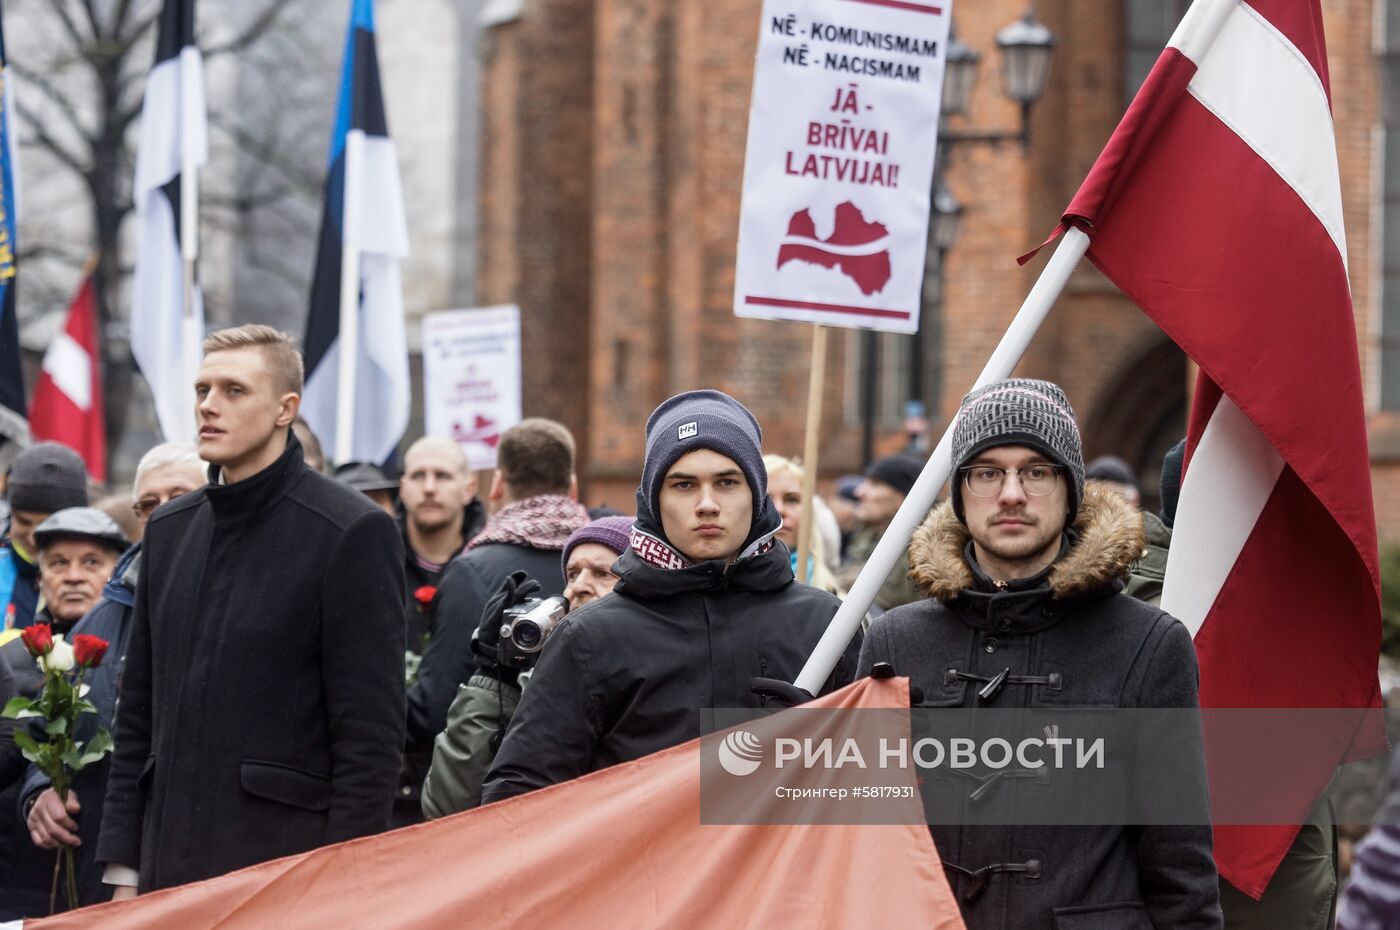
(527, 634)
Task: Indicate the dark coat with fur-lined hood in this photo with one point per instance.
(1068, 638)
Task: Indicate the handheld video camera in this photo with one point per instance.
(525, 627)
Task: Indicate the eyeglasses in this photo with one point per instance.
(987, 480)
(147, 505)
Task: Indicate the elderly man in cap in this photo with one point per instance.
(878, 498)
(77, 550)
(44, 479)
(1022, 574)
(165, 473)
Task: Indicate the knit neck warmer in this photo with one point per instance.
(542, 522)
(658, 553)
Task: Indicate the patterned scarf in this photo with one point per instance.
(542, 522)
(656, 551)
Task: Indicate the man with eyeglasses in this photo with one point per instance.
(166, 472)
(1023, 570)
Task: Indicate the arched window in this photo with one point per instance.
(1147, 25)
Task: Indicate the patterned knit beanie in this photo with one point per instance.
(1019, 412)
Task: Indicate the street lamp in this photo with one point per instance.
(1026, 47)
(946, 217)
(959, 74)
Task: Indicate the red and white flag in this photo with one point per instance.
(67, 405)
(1216, 206)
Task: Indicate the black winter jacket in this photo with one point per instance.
(420, 626)
(418, 622)
(1093, 647)
(630, 673)
(262, 699)
(466, 585)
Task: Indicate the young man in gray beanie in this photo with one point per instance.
(705, 602)
(43, 480)
(1022, 571)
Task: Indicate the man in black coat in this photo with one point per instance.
(534, 491)
(262, 700)
(705, 602)
(1023, 569)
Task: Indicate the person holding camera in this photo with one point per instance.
(534, 491)
(484, 705)
(705, 602)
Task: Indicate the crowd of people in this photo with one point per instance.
(299, 658)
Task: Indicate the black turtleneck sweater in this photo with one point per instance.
(262, 704)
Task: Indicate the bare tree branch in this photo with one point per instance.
(265, 150)
(91, 12)
(43, 139)
(119, 20)
(260, 24)
(32, 251)
(58, 98)
(245, 202)
(80, 44)
(137, 33)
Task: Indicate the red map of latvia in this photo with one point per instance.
(856, 247)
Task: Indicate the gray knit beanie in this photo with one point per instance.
(47, 478)
(1019, 412)
(702, 420)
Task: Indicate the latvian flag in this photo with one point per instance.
(172, 123)
(1216, 206)
(68, 399)
(12, 422)
(363, 188)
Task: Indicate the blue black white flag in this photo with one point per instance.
(362, 197)
(174, 133)
(13, 422)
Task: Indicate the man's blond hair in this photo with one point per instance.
(447, 447)
(277, 347)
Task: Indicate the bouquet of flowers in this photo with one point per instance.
(57, 708)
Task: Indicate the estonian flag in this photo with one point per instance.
(363, 239)
(173, 131)
(12, 419)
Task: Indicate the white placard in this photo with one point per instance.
(471, 378)
(842, 135)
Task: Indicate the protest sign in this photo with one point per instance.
(471, 378)
(842, 134)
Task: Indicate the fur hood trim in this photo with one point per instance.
(1109, 540)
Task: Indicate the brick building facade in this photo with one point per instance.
(612, 155)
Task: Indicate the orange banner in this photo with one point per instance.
(619, 848)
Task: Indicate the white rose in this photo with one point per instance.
(60, 659)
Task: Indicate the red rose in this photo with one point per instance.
(424, 595)
(89, 650)
(38, 639)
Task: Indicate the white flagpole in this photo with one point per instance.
(190, 117)
(349, 336)
(1194, 36)
(921, 497)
